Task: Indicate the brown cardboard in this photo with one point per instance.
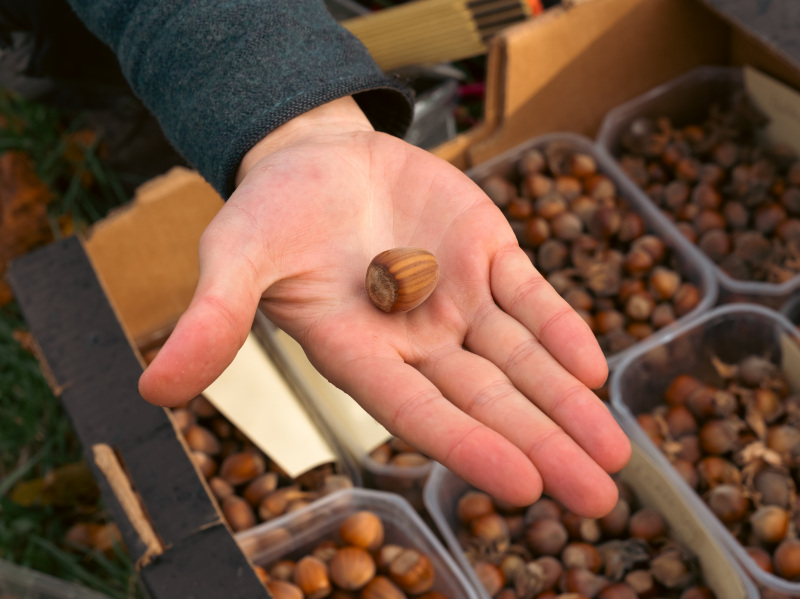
(564, 70)
(146, 253)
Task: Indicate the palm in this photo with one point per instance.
(485, 376)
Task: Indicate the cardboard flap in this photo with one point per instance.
(145, 254)
(566, 69)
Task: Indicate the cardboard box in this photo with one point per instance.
(564, 70)
(93, 305)
(561, 72)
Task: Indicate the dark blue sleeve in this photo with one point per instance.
(221, 74)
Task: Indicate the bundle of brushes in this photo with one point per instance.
(432, 31)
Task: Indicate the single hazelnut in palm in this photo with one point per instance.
(400, 279)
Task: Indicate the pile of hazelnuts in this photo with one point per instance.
(736, 441)
(591, 246)
(249, 487)
(737, 199)
(545, 551)
(357, 561)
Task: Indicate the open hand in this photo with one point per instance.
(491, 376)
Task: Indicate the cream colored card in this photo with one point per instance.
(790, 361)
(359, 430)
(253, 395)
(780, 103)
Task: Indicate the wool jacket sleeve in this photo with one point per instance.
(219, 75)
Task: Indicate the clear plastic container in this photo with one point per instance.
(730, 333)
(691, 263)
(18, 582)
(686, 99)
(652, 488)
(295, 535)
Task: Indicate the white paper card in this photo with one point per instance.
(361, 431)
(253, 395)
(780, 103)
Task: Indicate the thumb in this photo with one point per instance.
(211, 331)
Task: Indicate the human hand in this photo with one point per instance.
(491, 376)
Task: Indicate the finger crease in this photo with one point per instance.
(526, 350)
(488, 395)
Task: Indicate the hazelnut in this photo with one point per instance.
(537, 231)
(685, 299)
(786, 559)
(681, 387)
(736, 215)
(204, 463)
(640, 306)
(381, 587)
(718, 437)
(400, 279)
(615, 523)
(618, 590)
(582, 165)
(715, 243)
(544, 508)
(714, 470)
(220, 488)
(538, 184)
(491, 528)
(546, 537)
(519, 208)
(581, 555)
(499, 190)
(705, 196)
(531, 161)
(550, 205)
(648, 524)
(199, 438)
(551, 255)
(632, 227)
(238, 513)
(728, 502)
(568, 187)
(663, 282)
(351, 568)
(363, 529)
(243, 467)
(311, 576)
(566, 226)
(260, 487)
(472, 504)
(283, 589)
(670, 568)
(774, 487)
(183, 419)
(761, 557)
(663, 315)
(770, 524)
(490, 576)
(413, 571)
(680, 421)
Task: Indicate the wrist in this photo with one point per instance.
(337, 116)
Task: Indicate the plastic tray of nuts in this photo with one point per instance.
(17, 582)
(694, 147)
(717, 409)
(652, 543)
(597, 241)
(390, 555)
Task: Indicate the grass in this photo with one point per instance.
(44, 489)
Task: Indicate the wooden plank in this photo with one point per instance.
(93, 368)
(205, 567)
